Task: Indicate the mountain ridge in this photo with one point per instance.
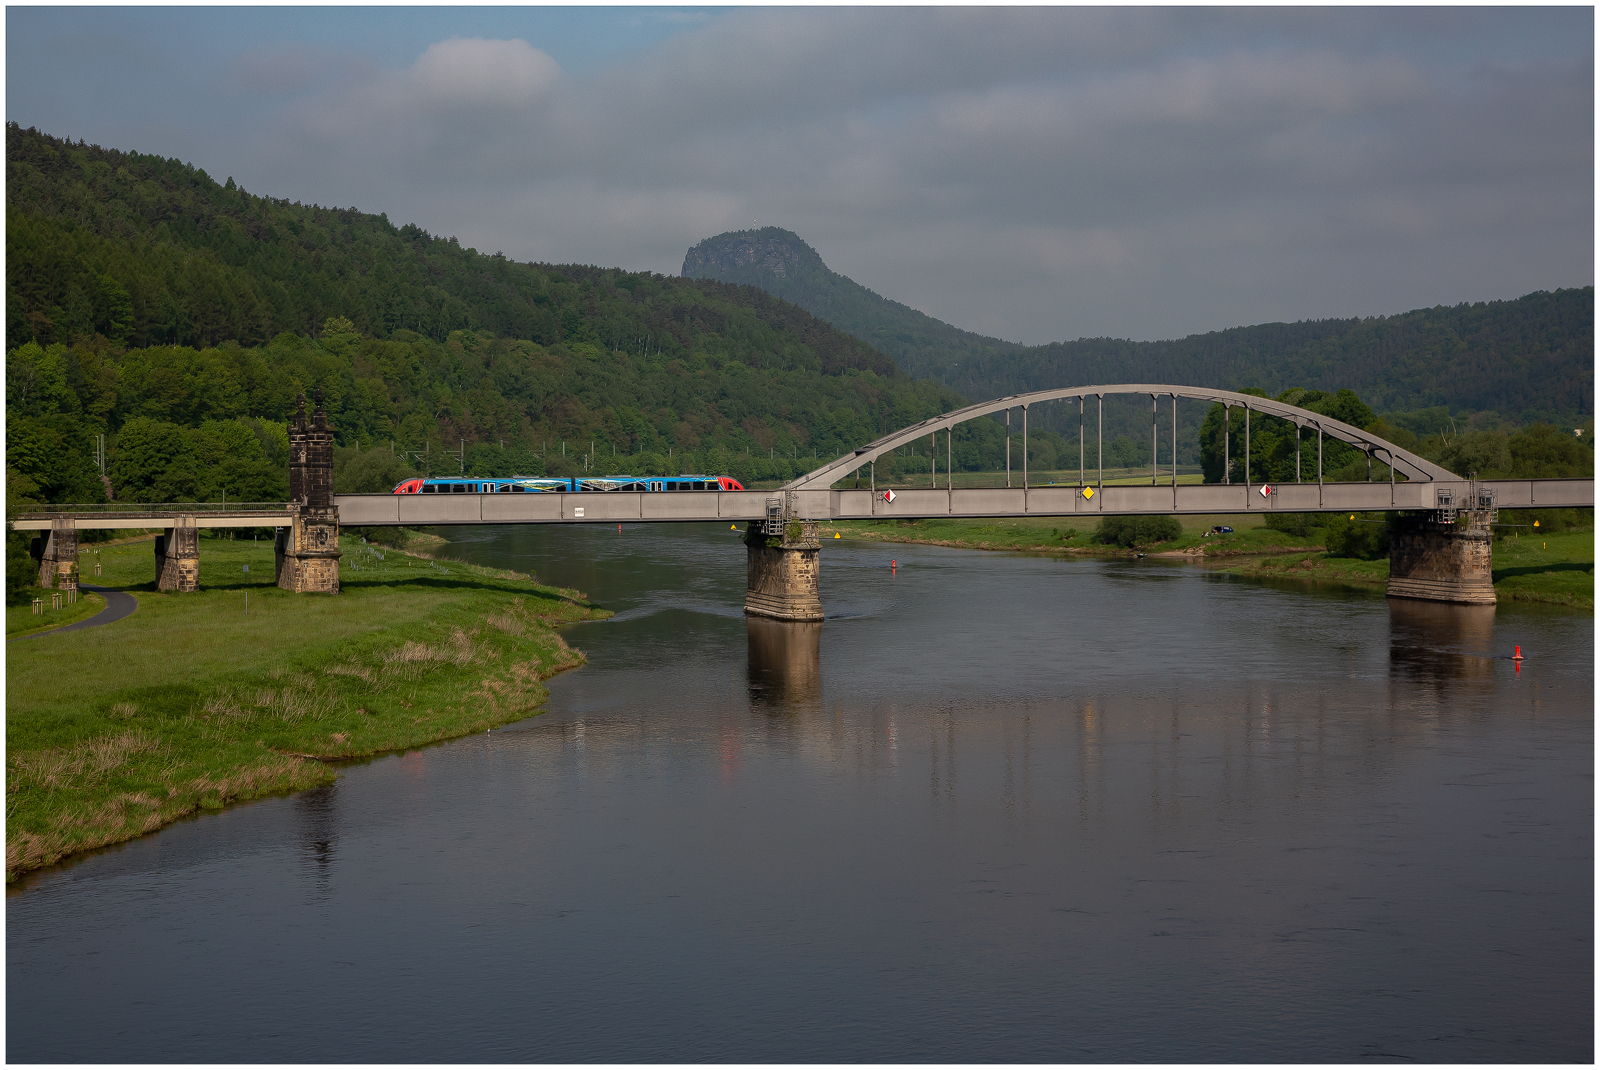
(1525, 359)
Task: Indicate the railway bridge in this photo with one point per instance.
(1440, 551)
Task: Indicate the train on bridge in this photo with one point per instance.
(577, 484)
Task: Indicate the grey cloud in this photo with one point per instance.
(1036, 173)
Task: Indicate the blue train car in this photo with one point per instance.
(577, 485)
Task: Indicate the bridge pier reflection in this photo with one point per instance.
(1441, 642)
(785, 662)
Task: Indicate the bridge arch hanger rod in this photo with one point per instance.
(1409, 464)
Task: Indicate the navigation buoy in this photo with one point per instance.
(836, 534)
(894, 566)
(1518, 655)
(733, 527)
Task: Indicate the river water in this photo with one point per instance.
(996, 808)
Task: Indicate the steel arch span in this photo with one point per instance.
(1401, 461)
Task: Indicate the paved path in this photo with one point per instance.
(118, 605)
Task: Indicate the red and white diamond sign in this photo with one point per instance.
(1266, 489)
(888, 495)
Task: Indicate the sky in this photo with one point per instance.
(1036, 174)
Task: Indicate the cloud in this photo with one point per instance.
(477, 73)
(1035, 173)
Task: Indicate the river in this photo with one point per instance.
(996, 808)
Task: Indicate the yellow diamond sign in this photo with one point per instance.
(1088, 492)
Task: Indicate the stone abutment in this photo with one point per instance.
(1439, 562)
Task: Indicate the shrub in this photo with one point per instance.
(1302, 524)
(1366, 537)
(21, 569)
(1130, 531)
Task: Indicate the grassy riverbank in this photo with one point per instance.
(190, 704)
(1071, 535)
(1556, 569)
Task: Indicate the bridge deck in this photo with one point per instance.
(426, 510)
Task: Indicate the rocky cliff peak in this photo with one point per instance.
(770, 252)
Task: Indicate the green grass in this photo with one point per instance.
(964, 480)
(21, 620)
(189, 703)
(1071, 535)
(1556, 569)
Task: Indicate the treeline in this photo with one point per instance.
(1520, 361)
(1539, 451)
(147, 251)
(185, 424)
(179, 318)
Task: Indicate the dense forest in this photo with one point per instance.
(160, 326)
(1514, 361)
(179, 317)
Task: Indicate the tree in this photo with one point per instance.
(1131, 531)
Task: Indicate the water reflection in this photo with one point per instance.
(317, 818)
(1438, 643)
(785, 663)
(1036, 811)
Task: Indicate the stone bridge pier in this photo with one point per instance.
(57, 555)
(307, 552)
(178, 557)
(783, 566)
(1444, 556)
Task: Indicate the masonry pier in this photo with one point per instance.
(57, 555)
(783, 566)
(307, 551)
(178, 557)
(1443, 559)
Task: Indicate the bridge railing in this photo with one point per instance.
(111, 509)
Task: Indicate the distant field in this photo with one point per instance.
(1556, 569)
(1063, 477)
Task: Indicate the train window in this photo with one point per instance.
(429, 488)
(458, 488)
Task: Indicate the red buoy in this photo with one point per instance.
(1518, 655)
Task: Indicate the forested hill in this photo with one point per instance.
(144, 295)
(1527, 359)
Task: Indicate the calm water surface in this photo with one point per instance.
(997, 808)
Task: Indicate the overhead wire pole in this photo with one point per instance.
(949, 455)
(1319, 466)
(1154, 452)
(1024, 457)
(1008, 448)
(1297, 430)
(1227, 433)
(1080, 441)
(1174, 442)
(1247, 455)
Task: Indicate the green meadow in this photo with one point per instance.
(198, 700)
